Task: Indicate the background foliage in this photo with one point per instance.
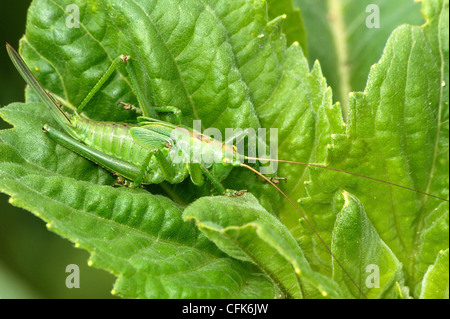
(321, 136)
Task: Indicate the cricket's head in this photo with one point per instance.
(231, 155)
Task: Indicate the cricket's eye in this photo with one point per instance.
(226, 161)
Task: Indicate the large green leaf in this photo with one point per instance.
(227, 63)
(184, 58)
(397, 131)
(135, 235)
(244, 230)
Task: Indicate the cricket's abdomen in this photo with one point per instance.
(112, 139)
(115, 139)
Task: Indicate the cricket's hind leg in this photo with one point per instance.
(110, 163)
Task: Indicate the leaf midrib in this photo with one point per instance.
(339, 32)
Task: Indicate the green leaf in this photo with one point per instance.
(412, 152)
(244, 230)
(192, 67)
(135, 235)
(397, 131)
(228, 64)
(369, 261)
(346, 47)
(435, 282)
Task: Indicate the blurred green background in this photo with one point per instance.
(33, 260)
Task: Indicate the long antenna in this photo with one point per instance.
(309, 224)
(346, 172)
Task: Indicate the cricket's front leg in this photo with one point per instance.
(101, 81)
(160, 109)
(130, 107)
(218, 185)
(233, 193)
(144, 105)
